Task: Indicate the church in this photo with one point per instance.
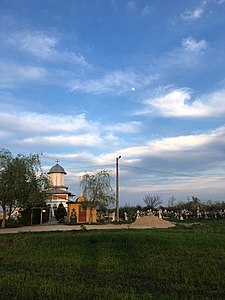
(58, 193)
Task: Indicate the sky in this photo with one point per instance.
(86, 81)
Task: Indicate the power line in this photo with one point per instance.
(149, 170)
(97, 166)
(166, 172)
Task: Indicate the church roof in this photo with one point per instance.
(58, 191)
(57, 169)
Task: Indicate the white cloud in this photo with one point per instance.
(36, 43)
(131, 5)
(196, 155)
(180, 165)
(191, 44)
(179, 152)
(117, 82)
(76, 157)
(42, 123)
(12, 73)
(45, 122)
(111, 138)
(189, 54)
(181, 189)
(47, 130)
(184, 143)
(178, 103)
(194, 14)
(84, 140)
(45, 47)
(71, 57)
(129, 127)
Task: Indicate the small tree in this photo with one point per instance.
(61, 213)
(152, 201)
(97, 190)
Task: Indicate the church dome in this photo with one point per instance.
(57, 169)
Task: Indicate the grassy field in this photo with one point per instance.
(185, 262)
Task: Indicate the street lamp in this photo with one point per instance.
(117, 189)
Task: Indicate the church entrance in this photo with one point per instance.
(82, 214)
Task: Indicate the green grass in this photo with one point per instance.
(185, 262)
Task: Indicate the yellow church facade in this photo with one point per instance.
(82, 210)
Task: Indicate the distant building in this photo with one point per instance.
(80, 210)
(58, 192)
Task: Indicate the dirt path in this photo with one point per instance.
(41, 228)
(146, 222)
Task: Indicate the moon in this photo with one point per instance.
(133, 89)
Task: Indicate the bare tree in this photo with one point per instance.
(171, 201)
(152, 201)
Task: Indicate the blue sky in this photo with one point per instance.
(86, 81)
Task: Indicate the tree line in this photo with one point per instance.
(192, 208)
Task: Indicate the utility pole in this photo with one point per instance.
(117, 189)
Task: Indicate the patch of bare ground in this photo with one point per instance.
(151, 222)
